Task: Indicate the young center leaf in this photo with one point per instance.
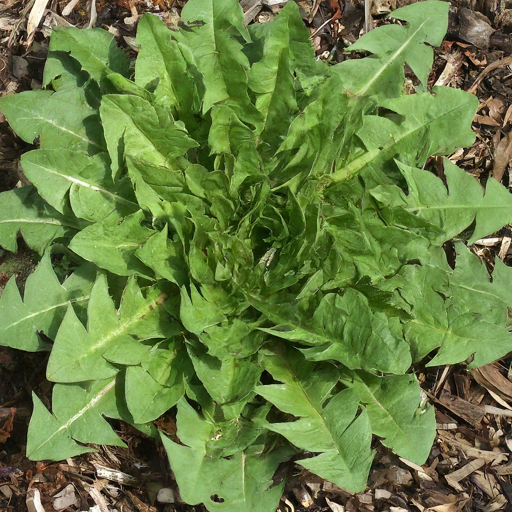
(215, 26)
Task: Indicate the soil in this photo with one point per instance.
(467, 468)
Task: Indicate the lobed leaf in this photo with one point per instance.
(453, 209)
(61, 174)
(23, 319)
(81, 354)
(214, 27)
(60, 119)
(394, 408)
(334, 429)
(415, 138)
(162, 68)
(343, 329)
(78, 411)
(94, 49)
(240, 482)
(23, 210)
(382, 74)
(112, 243)
(137, 129)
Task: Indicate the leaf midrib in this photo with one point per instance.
(85, 184)
(43, 311)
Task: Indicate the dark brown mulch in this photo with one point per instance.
(468, 468)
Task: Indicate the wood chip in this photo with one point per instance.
(488, 242)
(114, 475)
(505, 244)
(35, 17)
(450, 71)
(69, 7)
(489, 409)
(454, 478)
(462, 408)
(421, 471)
(33, 501)
(493, 457)
(487, 483)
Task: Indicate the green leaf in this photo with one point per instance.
(396, 415)
(415, 138)
(22, 209)
(474, 290)
(137, 129)
(92, 193)
(393, 45)
(95, 49)
(228, 381)
(320, 136)
(262, 242)
(81, 354)
(272, 79)
(162, 68)
(156, 386)
(241, 482)
(197, 313)
(22, 320)
(461, 332)
(60, 119)
(455, 209)
(111, 244)
(164, 257)
(333, 429)
(233, 139)
(218, 53)
(236, 338)
(78, 411)
(343, 329)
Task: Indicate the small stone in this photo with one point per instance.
(475, 28)
(165, 495)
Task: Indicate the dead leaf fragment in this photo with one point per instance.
(490, 377)
(334, 506)
(487, 483)
(502, 156)
(454, 506)
(65, 498)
